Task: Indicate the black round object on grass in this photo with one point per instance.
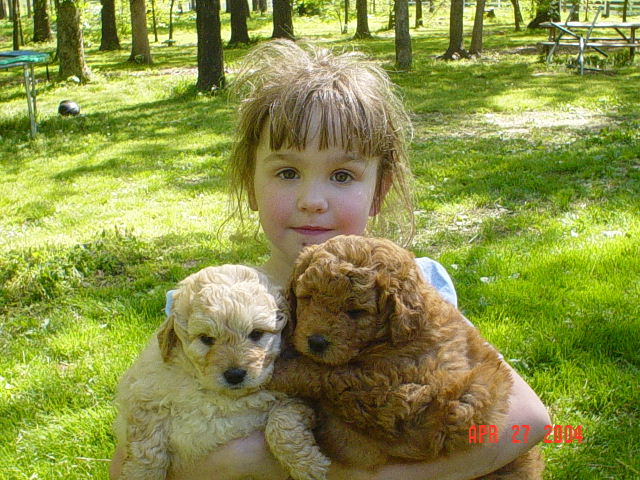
(67, 108)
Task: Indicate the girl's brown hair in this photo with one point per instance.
(286, 83)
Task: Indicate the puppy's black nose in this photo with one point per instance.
(317, 343)
(235, 375)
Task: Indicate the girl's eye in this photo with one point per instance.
(342, 177)
(256, 335)
(208, 341)
(288, 174)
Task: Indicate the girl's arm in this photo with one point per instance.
(249, 457)
(525, 409)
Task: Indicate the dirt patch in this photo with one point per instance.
(524, 122)
(560, 125)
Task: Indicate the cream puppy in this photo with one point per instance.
(197, 385)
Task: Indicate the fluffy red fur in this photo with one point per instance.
(395, 371)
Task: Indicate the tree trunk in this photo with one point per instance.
(3, 11)
(517, 14)
(403, 39)
(239, 14)
(362, 20)
(140, 51)
(41, 25)
(254, 5)
(171, 19)
(478, 26)
(345, 29)
(263, 6)
(282, 22)
(18, 37)
(70, 42)
(109, 38)
(625, 10)
(419, 21)
(575, 16)
(210, 54)
(153, 20)
(545, 12)
(456, 38)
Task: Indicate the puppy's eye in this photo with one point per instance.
(207, 340)
(256, 335)
(356, 313)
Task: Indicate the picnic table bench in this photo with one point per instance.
(26, 59)
(579, 36)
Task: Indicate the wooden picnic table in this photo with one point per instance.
(26, 59)
(579, 35)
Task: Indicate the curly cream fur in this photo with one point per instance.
(176, 403)
(400, 375)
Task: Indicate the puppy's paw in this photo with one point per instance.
(289, 435)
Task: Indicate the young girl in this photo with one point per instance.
(321, 152)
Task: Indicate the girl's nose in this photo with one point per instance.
(311, 199)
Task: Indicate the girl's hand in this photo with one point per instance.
(249, 458)
(241, 459)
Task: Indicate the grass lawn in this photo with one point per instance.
(527, 188)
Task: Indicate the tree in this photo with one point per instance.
(478, 27)
(140, 51)
(171, 19)
(154, 23)
(41, 25)
(456, 39)
(517, 14)
(210, 54)
(109, 38)
(625, 10)
(419, 22)
(3, 11)
(403, 38)
(239, 13)
(546, 10)
(282, 21)
(362, 20)
(18, 37)
(262, 4)
(70, 42)
(345, 29)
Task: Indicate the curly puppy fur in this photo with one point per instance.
(198, 384)
(394, 371)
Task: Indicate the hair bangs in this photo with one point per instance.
(329, 115)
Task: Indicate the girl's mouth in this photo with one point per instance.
(310, 230)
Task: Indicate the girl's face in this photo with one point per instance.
(306, 197)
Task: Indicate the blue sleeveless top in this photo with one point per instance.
(432, 271)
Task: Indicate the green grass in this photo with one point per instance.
(527, 176)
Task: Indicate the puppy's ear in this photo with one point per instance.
(301, 264)
(175, 326)
(401, 300)
(167, 337)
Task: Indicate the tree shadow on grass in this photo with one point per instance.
(149, 136)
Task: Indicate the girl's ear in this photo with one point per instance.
(382, 188)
